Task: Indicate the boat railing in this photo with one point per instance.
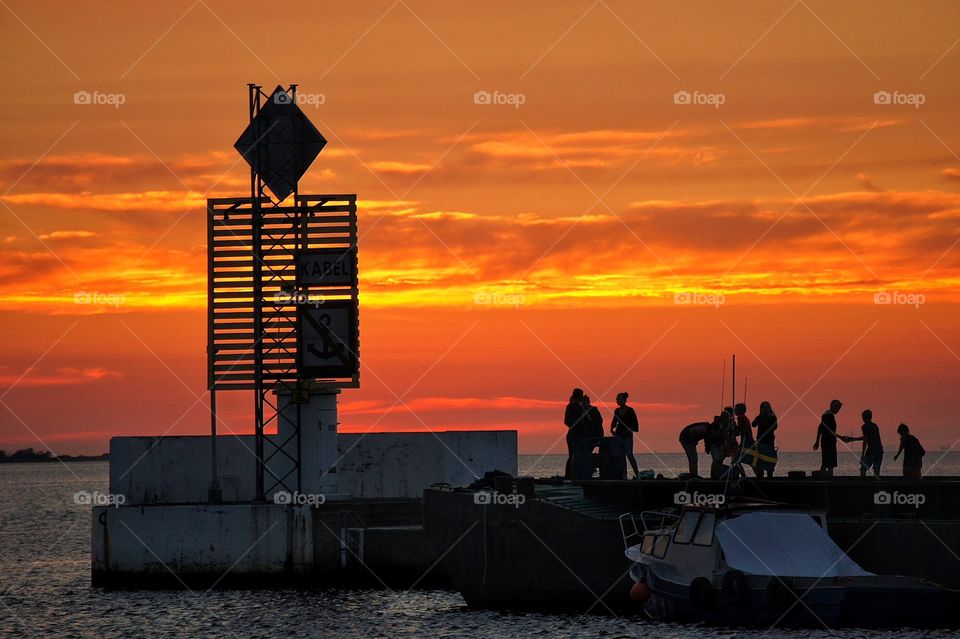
(632, 534)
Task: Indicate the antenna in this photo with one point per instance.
(745, 380)
(733, 381)
(723, 383)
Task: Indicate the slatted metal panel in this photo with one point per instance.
(234, 309)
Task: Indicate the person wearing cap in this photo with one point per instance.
(827, 438)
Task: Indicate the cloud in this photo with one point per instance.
(592, 149)
(951, 174)
(100, 172)
(66, 235)
(837, 245)
(866, 182)
(399, 168)
(64, 376)
(164, 201)
(478, 405)
(829, 123)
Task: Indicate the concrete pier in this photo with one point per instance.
(364, 529)
(262, 545)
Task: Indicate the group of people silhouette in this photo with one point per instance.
(871, 454)
(731, 440)
(730, 436)
(585, 432)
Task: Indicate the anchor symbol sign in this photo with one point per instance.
(326, 338)
(327, 351)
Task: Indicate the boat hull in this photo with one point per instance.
(861, 602)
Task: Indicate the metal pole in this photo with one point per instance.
(733, 387)
(723, 383)
(215, 496)
(255, 228)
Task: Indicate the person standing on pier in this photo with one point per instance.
(572, 418)
(912, 451)
(717, 441)
(589, 432)
(743, 426)
(766, 424)
(690, 436)
(594, 422)
(827, 438)
(624, 425)
(871, 455)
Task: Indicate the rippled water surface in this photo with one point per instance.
(45, 577)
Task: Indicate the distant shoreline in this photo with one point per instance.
(63, 458)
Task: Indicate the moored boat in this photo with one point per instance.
(760, 563)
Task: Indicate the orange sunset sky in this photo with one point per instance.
(812, 173)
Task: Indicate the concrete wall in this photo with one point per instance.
(262, 545)
(176, 470)
(403, 464)
(200, 543)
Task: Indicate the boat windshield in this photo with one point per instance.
(685, 527)
(783, 544)
(704, 536)
(646, 547)
(660, 546)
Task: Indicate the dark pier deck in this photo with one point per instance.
(562, 547)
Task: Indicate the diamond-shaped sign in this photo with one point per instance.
(280, 143)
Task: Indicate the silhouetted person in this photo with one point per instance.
(588, 432)
(766, 424)
(827, 438)
(717, 442)
(871, 454)
(743, 426)
(730, 444)
(690, 436)
(595, 421)
(912, 451)
(571, 418)
(623, 426)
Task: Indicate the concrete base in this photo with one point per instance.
(261, 545)
(365, 530)
(176, 470)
